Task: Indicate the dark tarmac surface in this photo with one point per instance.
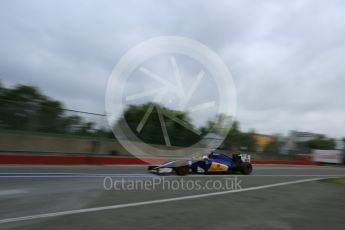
(74, 197)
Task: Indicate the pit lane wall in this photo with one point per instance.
(36, 143)
(32, 148)
(22, 142)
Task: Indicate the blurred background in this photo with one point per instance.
(33, 123)
(286, 58)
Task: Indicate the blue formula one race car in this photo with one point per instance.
(213, 163)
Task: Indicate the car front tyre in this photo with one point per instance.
(182, 170)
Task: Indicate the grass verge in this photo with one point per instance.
(335, 180)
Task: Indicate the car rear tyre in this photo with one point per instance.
(246, 168)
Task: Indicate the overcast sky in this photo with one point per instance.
(286, 57)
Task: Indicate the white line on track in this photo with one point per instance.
(12, 192)
(267, 175)
(71, 166)
(134, 204)
(73, 175)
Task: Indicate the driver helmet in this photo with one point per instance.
(205, 158)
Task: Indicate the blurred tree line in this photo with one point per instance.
(321, 142)
(238, 140)
(26, 108)
(180, 135)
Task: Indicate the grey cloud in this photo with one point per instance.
(286, 57)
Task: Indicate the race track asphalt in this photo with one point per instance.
(79, 197)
